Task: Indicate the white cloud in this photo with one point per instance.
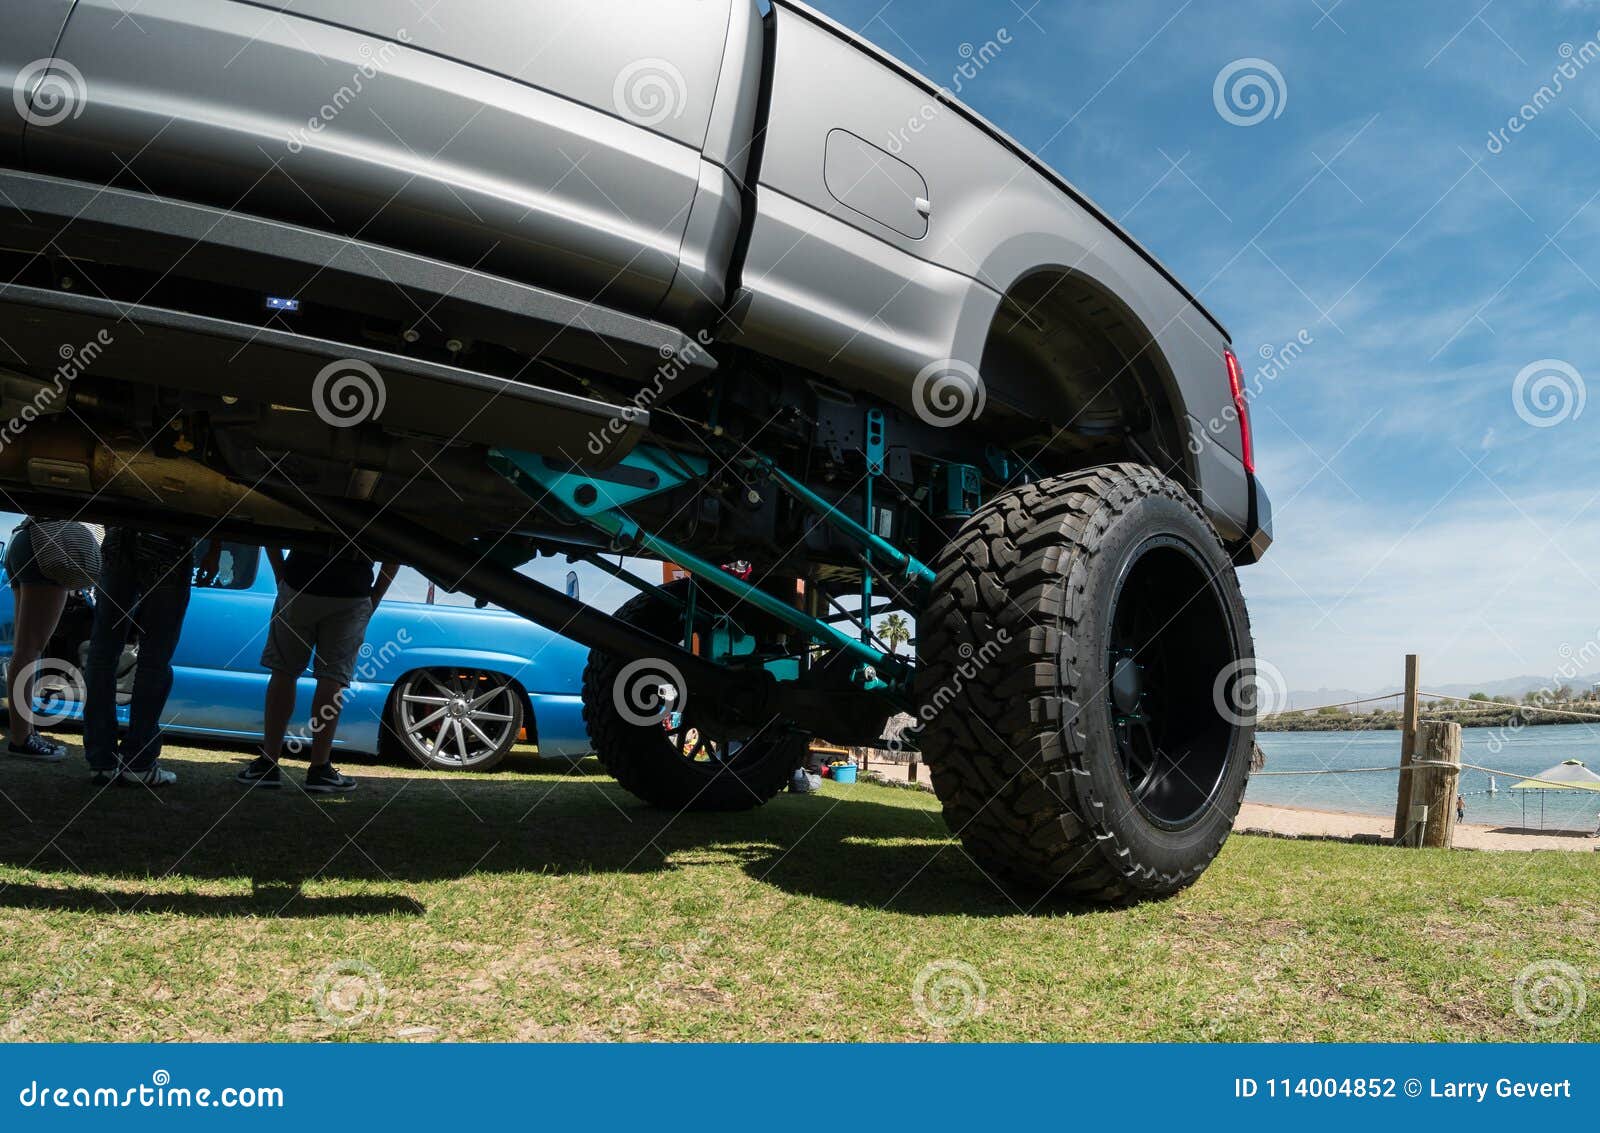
(1481, 586)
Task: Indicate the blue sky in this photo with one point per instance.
(1417, 510)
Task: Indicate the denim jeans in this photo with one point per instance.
(120, 604)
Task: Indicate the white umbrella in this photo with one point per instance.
(1570, 775)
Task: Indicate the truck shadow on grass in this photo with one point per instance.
(129, 850)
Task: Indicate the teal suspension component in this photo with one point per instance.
(713, 575)
(539, 477)
(644, 472)
(875, 448)
(881, 548)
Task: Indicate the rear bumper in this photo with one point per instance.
(1259, 536)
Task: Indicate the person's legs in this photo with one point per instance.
(160, 625)
(340, 630)
(279, 707)
(38, 609)
(287, 652)
(116, 594)
(326, 705)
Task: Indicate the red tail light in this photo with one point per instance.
(1242, 407)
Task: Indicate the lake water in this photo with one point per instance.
(1523, 752)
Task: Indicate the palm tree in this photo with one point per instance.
(895, 631)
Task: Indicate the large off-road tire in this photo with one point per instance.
(1080, 666)
(696, 767)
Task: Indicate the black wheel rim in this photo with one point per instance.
(699, 745)
(1170, 636)
(457, 717)
(695, 735)
(708, 745)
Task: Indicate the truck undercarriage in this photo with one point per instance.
(714, 339)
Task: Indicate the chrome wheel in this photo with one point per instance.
(457, 719)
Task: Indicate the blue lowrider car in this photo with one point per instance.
(452, 687)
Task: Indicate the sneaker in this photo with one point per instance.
(38, 749)
(328, 780)
(260, 772)
(153, 777)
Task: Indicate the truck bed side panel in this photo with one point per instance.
(357, 131)
(833, 287)
(28, 41)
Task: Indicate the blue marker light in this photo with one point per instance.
(276, 304)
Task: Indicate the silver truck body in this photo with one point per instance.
(684, 162)
(712, 282)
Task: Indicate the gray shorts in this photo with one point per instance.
(331, 628)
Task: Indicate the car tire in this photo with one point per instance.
(1071, 658)
(455, 719)
(731, 775)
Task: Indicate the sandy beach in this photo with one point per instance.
(1303, 822)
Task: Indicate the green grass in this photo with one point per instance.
(534, 904)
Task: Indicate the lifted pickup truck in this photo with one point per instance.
(708, 281)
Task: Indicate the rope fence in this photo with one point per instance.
(1413, 765)
(1428, 775)
(1473, 706)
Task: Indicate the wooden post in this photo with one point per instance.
(1439, 742)
(1408, 748)
(911, 769)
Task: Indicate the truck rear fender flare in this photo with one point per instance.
(1059, 337)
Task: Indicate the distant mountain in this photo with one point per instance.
(1516, 687)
